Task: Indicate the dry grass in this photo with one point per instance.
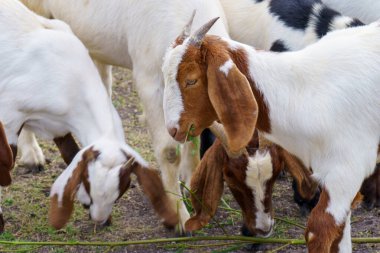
(25, 204)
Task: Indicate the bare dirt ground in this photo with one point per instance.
(25, 205)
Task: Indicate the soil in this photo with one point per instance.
(25, 205)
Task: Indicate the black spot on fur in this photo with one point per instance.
(325, 18)
(356, 22)
(294, 13)
(278, 46)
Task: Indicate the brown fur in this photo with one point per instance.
(215, 96)
(60, 213)
(151, 184)
(6, 159)
(306, 186)
(207, 185)
(322, 234)
(67, 146)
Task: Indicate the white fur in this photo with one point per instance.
(226, 67)
(140, 32)
(252, 23)
(259, 171)
(172, 92)
(49, 84)
(366, 10)
(319, 86)
(321, 100)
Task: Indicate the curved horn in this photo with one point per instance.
(186, 30)
(218, 130)
(197, 37)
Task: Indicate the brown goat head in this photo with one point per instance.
(250, 178)
(203, 85)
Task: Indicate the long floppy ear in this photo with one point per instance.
(207, 187)
(65, 187)
(232, 98)
(152, 185)
(6, 159)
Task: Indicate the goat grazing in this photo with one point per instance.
(250, 178)
(49, 85)
(140, 32)
(315, 103)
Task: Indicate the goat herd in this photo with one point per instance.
(319, 105)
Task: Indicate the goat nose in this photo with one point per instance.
(172, 131)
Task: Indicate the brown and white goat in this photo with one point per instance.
(250, 177)
(49, 85)
(312, 102)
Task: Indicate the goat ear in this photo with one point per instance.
(6, 159)
(235, 105)
(152, 185)
(65, 187)
(207, 187)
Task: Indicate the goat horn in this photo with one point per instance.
(218, 130)
(197, 37)
(186, 30)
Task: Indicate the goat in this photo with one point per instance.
(284, 25)
(129, 26)
(314, 102)
(367, 11)
(251, 179)
(49, 85)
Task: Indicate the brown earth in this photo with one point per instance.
(25, 205)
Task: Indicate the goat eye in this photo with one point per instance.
(191, 82)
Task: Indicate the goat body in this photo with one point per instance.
(135, 35)
(49, 85)
(314, 103)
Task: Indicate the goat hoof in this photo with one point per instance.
(305, 209)
(254, 247)
(108, 222)
(30, 169)
(368, 204)
(282, 175)
(184, 234)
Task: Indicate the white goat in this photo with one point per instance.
(294, 98)
(366, 10)
(136, 34)
(49, 85)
